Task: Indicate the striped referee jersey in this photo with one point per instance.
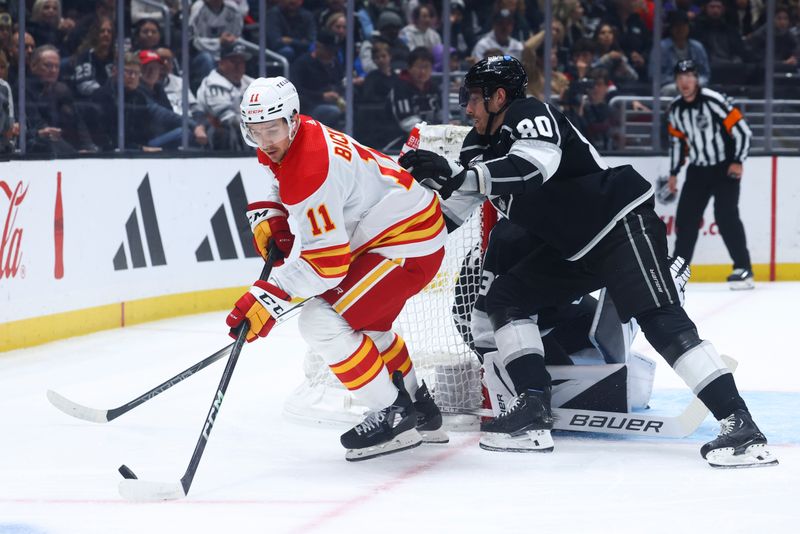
(710, 130)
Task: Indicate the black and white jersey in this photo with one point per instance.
(541, 172)
(709, 130)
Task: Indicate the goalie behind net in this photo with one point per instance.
(429, 322)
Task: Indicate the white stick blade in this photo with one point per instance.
(75, 409)
(146, 491)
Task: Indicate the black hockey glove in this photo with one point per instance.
(434, 171)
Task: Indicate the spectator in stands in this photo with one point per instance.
(600, 122)
(148, 126)
(745, 15)
(5, 32)
(379, 82)
(583, 57)
(420, 32)
(722, 41)
(594, 12)
(150, 81)
(53, 124)
(690, 7)
(220, 95)
(318, 77)
(146, 35)
(141, 10)
(522, 29)
(9, 127)
(89, 68)
(376, 124)
(389, 24)
(416, 97)
(13, 56)
(634, 37)
(533, 63)
(787, 48)
(499, 37)
(462, 34)
(102, 9)
(336, 23)
(173, 87)
(368, 15)
(213, 24)
(47, 26)
(678, 47)
(290, 29)
(323, 19)
(611, 57)
(570, 13)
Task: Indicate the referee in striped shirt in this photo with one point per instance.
(707, 129)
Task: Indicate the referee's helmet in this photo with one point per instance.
(685, 66)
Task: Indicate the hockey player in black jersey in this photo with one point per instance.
(597, 228)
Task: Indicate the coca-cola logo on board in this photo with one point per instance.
(11, 238)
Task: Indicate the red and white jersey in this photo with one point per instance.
(347, 199)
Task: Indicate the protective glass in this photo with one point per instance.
(268, 133)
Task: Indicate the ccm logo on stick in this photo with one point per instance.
(616, 423)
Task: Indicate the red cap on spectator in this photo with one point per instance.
(148, 56)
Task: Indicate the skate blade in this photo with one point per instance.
(530, 441)
(741, 285)
(753, 456)
(434, 436)
(405, 440)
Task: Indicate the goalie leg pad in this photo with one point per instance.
(530, 441)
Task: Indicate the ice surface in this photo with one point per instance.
(262, 473)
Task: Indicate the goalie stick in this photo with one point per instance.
(104, 416)
(131, 487)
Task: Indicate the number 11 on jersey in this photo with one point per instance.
(326, 219)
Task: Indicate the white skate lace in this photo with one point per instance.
(512, 407)
(372, 420)
(726, 425)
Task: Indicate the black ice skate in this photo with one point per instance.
(429, 417)
(741, 279)
(386, 431)
(740, 444)
(524, 427)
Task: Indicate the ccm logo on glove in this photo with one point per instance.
(269, 220)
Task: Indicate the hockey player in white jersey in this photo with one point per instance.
(370, 238)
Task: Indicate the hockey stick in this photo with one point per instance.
(131, 487)
(104, 416)
(638, 424)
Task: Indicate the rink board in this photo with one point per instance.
(100, 243)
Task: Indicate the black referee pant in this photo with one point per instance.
(701, 184)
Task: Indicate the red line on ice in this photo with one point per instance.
(363, 498)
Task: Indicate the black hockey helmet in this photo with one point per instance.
(491, 73)
(685, 65)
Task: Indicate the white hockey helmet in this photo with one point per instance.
(268, 99)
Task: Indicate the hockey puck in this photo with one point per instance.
(126, 472)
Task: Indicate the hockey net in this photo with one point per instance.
(427, 324)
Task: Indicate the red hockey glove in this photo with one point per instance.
(262, 305)
(268, 220)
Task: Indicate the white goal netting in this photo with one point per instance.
(427, 323)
